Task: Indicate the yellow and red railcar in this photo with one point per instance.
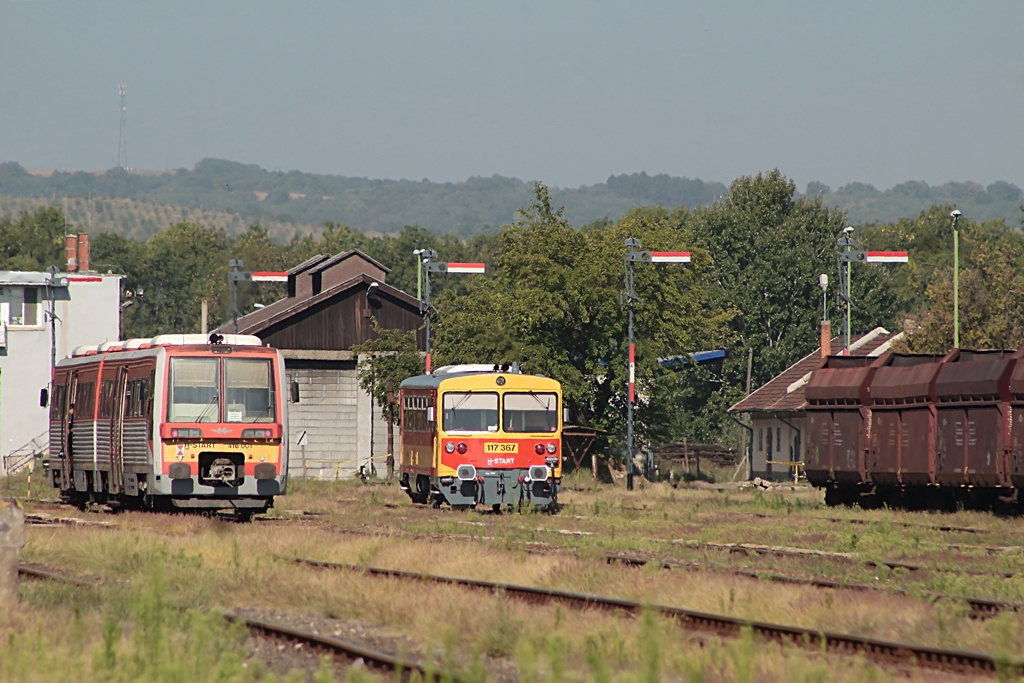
(474, 435)
(179, 421)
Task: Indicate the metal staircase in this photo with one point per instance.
(22, 457)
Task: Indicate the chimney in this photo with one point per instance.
(83, 251)
(71, 252)
(826, 338)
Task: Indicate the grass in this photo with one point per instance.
(204, 565)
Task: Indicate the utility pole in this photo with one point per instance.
(634, 255)
(122, 142)
(847, 254)
(955, 215)
(52, 283)
(427, 264)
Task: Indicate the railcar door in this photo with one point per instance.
(67, 430)
(117, 432)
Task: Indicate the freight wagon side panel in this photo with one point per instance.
(985, 436)
(848, 428)
(818, 458)
(1017, 445)
(950, 452)
(917, 447)
(884, 459)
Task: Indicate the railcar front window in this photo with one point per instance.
(530, 412)
(470, 412)
(193, 390)
(248, 384)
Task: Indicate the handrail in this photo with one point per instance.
(17, 459)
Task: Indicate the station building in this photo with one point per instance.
(335, 427)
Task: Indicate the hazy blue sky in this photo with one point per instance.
(564, 92)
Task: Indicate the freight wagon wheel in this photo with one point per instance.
(243, 515)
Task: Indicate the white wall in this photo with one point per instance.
(88, 313)
(780, 433)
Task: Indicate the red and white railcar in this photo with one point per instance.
(179, 421)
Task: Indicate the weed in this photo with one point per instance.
(597, 659)
(650, 646)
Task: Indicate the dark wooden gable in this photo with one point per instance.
(341, 318)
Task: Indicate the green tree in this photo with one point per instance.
(33, 242)
(127, 257)
(768, 248)
(385, 360)
(552, 302)
(258, 252)
(991, 309)
(184, 264)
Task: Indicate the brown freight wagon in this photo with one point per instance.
(902, 419)
(838, 422)
(1016, 390)
(972, 404)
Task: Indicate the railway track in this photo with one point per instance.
(981, 608)
(757, 549)
(865, 522)
(885, 652)
(403, 668)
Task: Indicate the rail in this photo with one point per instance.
(402, 668)
(886, 652)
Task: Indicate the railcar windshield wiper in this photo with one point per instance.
(214, 403)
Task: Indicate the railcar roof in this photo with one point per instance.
(514, 380)
(186, 349)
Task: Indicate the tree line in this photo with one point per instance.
(552, 295)
(464, 209)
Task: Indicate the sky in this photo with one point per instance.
(565, 92)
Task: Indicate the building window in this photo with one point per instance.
(31, 310)
(778, 438)
(760, 439)
(22, 306)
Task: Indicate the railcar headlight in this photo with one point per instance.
(552, 448)
(449, 447)
(538, 472)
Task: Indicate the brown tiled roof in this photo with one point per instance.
(776, 396)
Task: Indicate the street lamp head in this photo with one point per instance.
(417, 252)
(955, 213)
(823, 281)
(848, 229)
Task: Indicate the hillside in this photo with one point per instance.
(233, 196)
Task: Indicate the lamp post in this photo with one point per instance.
(634, 255)
(955, 214)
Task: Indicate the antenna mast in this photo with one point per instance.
(122, 143)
